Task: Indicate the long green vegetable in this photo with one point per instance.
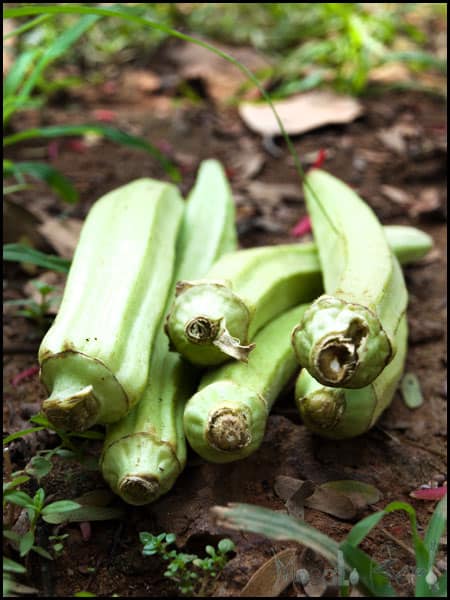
(340, 413)
(226, 419)
(347, 337)
(145, 452)
(94, 359)
(215, 318)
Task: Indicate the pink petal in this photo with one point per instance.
(430, 493)
(77, 145)
(24, 375)
(302, 227)
(320, 159)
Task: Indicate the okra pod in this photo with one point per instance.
(144, 453)
(226, 419)
(215, 318)
(347, 337)
(340, 413)
(94, 358)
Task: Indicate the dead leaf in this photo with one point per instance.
(397, 137)
(222, 78)
(361, 494)
(296, 503)
(396, 195)
(300, 113)
(273, 577)
(393, 72)
(342, 499)
(20, 223)
(272, 194)
(142, 80)
(62, 234)
(429, 202)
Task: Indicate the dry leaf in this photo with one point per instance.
(429, 202)
(222, 78)
(396, 195)
(300, 113)
(272, 193)
(63, 235)
(273, 577)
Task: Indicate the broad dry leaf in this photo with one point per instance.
(273, 577)
(301, 113)
(63, 235)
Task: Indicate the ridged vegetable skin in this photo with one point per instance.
(347, 337)
(214, 319)
(226, 419)
(144, 453)
(339, 413)
(94, 359)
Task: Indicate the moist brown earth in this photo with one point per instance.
(404, 451)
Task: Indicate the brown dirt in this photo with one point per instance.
(110, 561)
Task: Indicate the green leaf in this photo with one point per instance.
(84, 595)
(60, 506)
(39, 499)
(9, 485)
(39, 550)
(118, 11)
(19, 498)
(21, 253)
(27, 26)
(40, 467)
(277, 526)
(11, 566)
(363, 528)
(110, 133)
(26, 543)
(50, 175)
(84, 513)
(371, 576)
(435, 529)
(18, 434)
(411, 392)
(226, 545)
(18, 70)
(11, 535)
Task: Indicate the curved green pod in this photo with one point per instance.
(94, 359)
(214, 319)
(340, 413)
(144, 453)
(226, 419)
(347, 337)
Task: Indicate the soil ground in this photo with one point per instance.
(405, 450)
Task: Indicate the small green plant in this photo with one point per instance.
(36, 509)
(191, 573)
(37, 311)
(58, 543)
(353, 565)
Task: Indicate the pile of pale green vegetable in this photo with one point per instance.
(150, 268)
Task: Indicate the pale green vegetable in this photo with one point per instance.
(347, 337)
(226, 419)
(94, 359)
(339, 413)
(144, 453)
(214, 319)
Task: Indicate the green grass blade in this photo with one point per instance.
(363, 528)
(24, 254)
(27, 26)
(436, 528)
(276, 526)
(117, 11)
(50, 175)
(110, 133)
(370, 574)
(57, 49)
(18, 70)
